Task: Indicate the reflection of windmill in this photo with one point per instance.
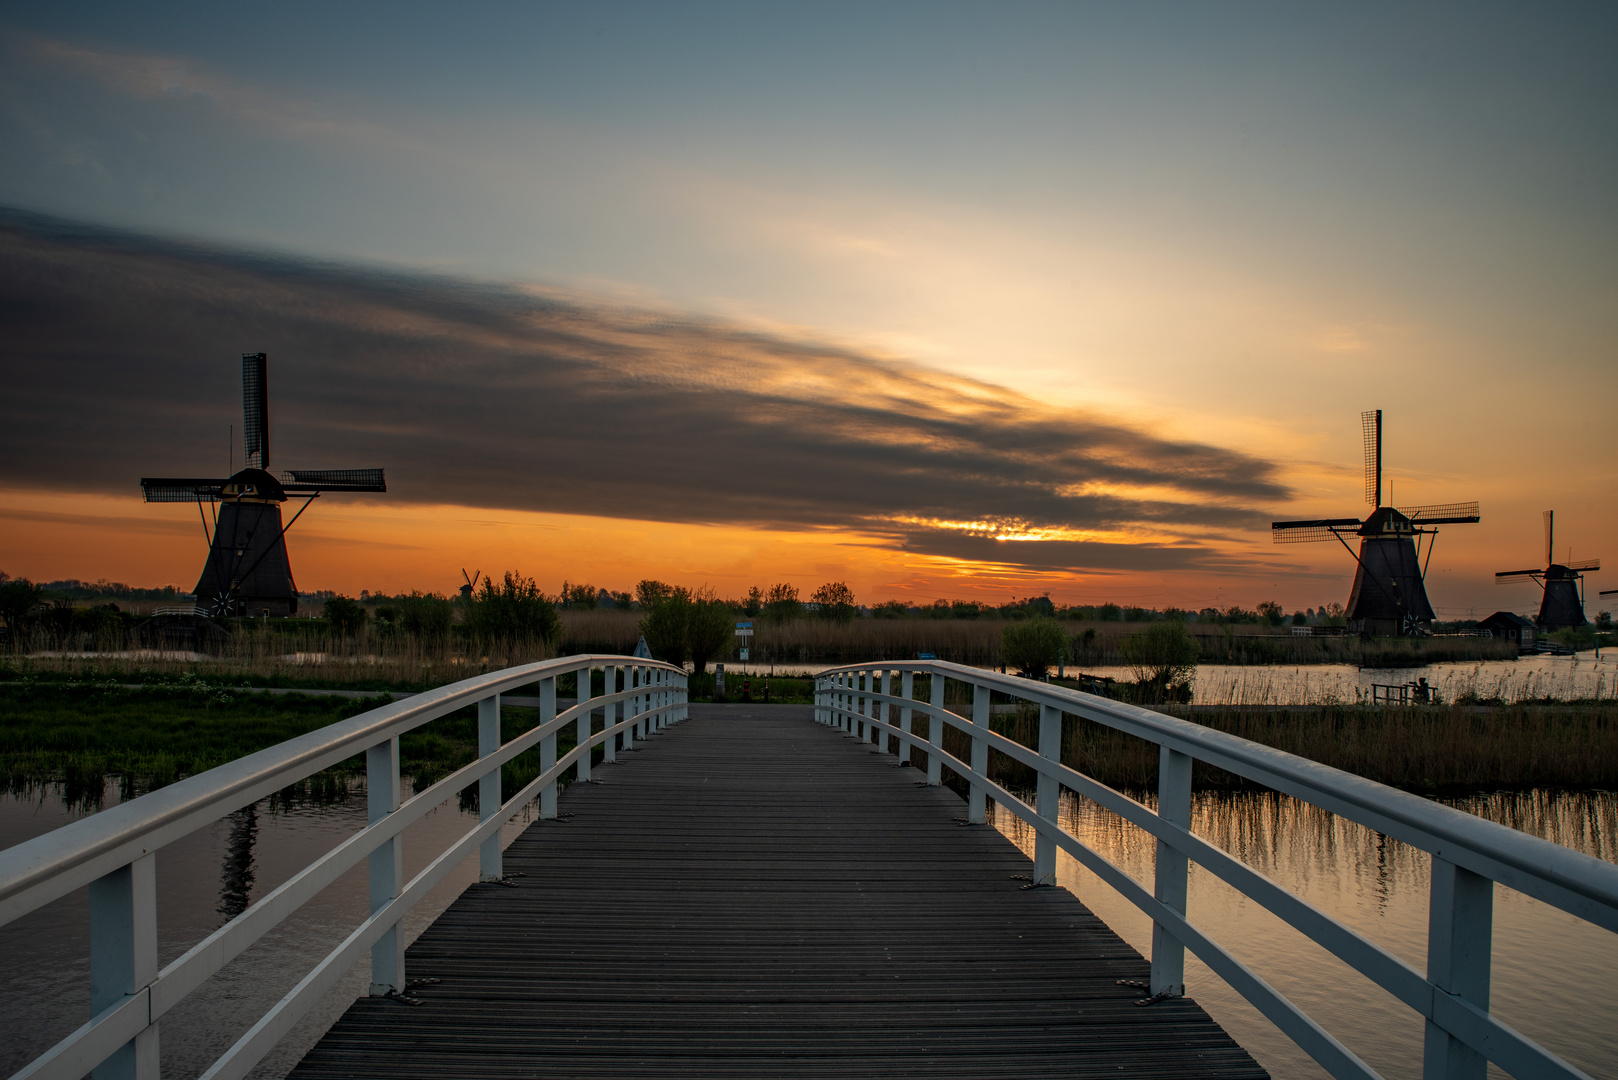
(1390, 592)
(1563, 604)
(247, 570)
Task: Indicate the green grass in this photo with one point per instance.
(75, 735)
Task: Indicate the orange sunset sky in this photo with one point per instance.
(963, 302)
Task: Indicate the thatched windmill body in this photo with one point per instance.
(1563, 602)
(1389, 596)
(248, 572)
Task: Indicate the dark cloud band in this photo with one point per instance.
(119, 360)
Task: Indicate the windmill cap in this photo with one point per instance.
(1386, 520)
(254, 484)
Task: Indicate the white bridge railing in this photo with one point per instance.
(1468, 856)
(114, 853)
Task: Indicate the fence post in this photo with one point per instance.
(1046, 794)
(977, 810)
(907, 690)
(387, 864)
(881, 711)
(609, 749)
(1173, 805)
(547, 746)
(586, 722)
(489, 868)
(935, 732)
(1460, 926)
(123, 958)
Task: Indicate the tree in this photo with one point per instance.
(1110, 612)
(345, 615)
(649, 592)
(664, 625)
(891, 609)
(514, 611)
(836, 601)
(755, 601)
(1033, 646)
(710, 627)
(18, 599)
(1272, 611)
(1163, 656)
(580, 597)
(781, 603)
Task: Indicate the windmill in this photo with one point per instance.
(1390, 592)
(1563, 603)
(247, 572)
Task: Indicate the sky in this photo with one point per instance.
(972, 301)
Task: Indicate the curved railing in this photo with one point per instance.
(1468, 856)
(114, 853)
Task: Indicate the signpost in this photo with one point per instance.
(744, 630)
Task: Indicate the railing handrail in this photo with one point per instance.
(38, 871)
(1506, 855)
(1469, 854)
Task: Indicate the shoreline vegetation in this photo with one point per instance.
(70, 736)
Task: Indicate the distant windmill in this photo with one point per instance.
(247, 572)
(471, 584)
(1563, 603)
(1390, 591)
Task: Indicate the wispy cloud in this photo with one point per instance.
(120, 361)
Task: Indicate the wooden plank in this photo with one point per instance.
(757, 895)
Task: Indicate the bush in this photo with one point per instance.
(346, 616)
(709, 629)
(425, 615)
(1164, 657)
(836, 601)
(891, 609)
(513, 611)
(18, 599)
(664, 626)
(1033, 646)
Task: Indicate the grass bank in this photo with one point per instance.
(74, 735)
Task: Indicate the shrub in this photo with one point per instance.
(1033, 646)
(664, 626)
(425, 615)
(710, 627)
(836, 601)
(1164, 657)
(346, 616)
(513, 611)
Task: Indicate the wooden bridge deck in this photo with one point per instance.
(754, 895)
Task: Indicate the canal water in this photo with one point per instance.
(1552, 972)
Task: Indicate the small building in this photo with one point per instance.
(1512, 627)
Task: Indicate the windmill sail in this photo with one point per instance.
(301, 480)
(1461, 513)
(1371, 424)
(168, 489)
(1305, 532)
(256, 410)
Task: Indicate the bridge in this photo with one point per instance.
(725, 891)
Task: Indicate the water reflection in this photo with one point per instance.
(236, 881)
(1544, 960)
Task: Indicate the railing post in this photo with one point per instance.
(1046, 794)
(654, 719)
(977, 810)
(907, 690)
(609, 749)
(1460, 929)
(881, 712)
(387, 864)
(935, 732)
(547, 746)
(1173, 805)
(123, 958)
(633, 680)
(586, 722)
(489, 799)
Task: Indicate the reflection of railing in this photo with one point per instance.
(180, 609)
(1410, 693)
(1464, 633)
(1469, 855)
(114, 853)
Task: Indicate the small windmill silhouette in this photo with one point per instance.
(1563, 583)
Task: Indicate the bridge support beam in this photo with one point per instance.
(935, 732)
(123, 958)
(489, 863)
(1046, 796)
(1460, 930)
(1174, 805)
(547, 746)
(907, 690)
(977, 809)
(386, 864)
